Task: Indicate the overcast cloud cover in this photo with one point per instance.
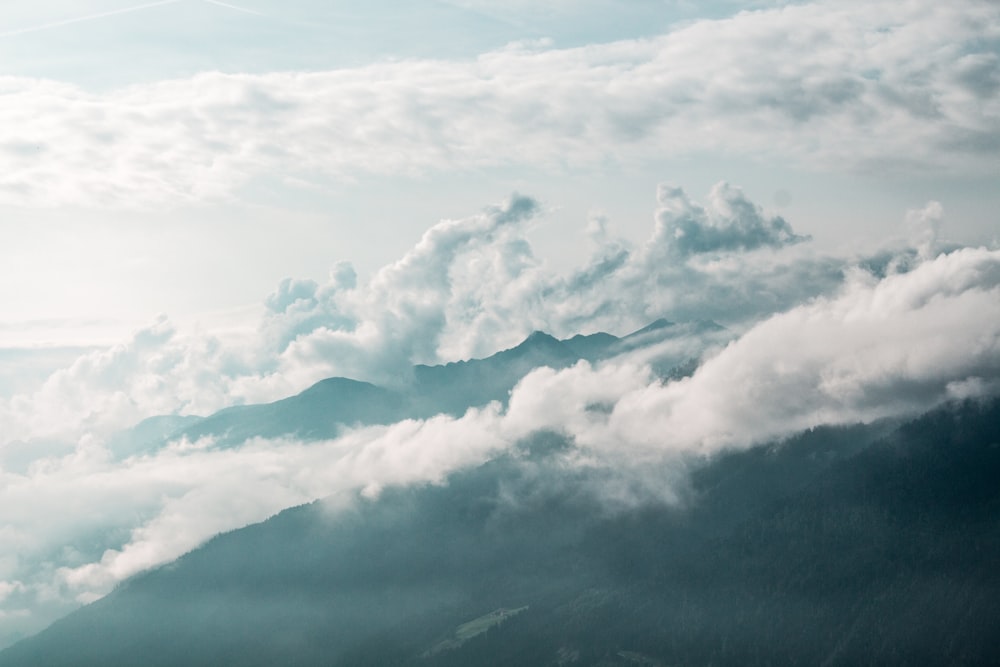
(812, 335)
(843, 84)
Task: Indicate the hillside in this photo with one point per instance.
(842, 546)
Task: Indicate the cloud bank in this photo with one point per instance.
(856, 85)
(880, 348)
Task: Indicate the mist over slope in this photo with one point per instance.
(853, 545)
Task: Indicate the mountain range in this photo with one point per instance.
(324, 409)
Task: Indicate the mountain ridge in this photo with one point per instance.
(325, 408)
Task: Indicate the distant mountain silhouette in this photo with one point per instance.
(148, 434)
(322, 410)
(454, 388)
(318, 412)
(867, 545)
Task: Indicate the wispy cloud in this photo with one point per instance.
(89, 17)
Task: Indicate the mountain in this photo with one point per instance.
(455, 387)
(323, 410)
(871, 544)
(148, 434)
(318, 412)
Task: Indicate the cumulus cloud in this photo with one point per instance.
(846, 84)
(472, 287)
(731, 222)
(400, 315)
(152, 373)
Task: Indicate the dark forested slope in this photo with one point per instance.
(843, 546)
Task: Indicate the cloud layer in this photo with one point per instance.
(853, 85)
(880, 348)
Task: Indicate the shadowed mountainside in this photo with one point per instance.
(842, 546)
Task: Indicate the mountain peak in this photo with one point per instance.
(655, 325)
(536, 342)
(538, 336)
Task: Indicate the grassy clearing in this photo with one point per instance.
(476, 626)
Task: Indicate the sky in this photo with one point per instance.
(209, 203)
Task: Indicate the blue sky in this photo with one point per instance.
(211, 203)
(133, 42)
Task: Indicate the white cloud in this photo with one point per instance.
(102, 391)
(845, 84)
(400, 315)
(74, 526)
(891, 347)
(474, 286)
(923, 227)
(731, 222)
